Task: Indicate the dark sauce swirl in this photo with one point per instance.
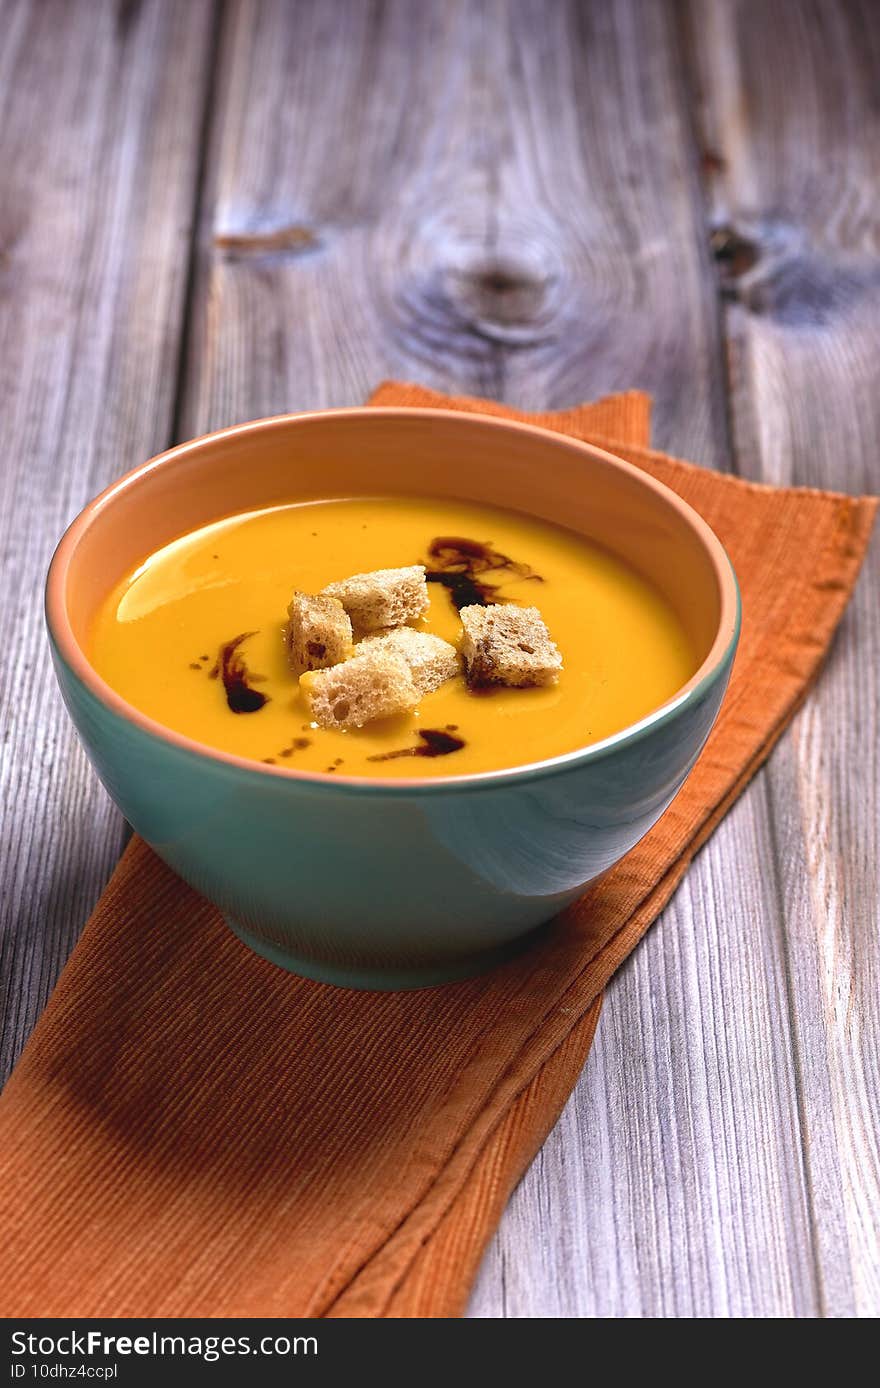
(434, 743)
(238, 681)
(462, 565)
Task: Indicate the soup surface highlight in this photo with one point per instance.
(193, 638)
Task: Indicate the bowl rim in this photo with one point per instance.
(707, 673)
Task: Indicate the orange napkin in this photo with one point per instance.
(193, 1132)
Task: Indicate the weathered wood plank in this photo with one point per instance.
(99, 137)
(648, 1198)
(414, 190)
(530, 226)
(790, 149)
(790, 109)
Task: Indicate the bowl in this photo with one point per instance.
(391, 883)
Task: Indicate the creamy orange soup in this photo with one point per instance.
(193, 637)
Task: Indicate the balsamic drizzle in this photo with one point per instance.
(434, 743)
(459, 565)
(237, 680)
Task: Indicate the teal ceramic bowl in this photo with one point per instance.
(391, 883)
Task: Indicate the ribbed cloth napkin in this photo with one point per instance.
(193, 1132)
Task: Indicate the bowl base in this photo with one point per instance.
(388, 978)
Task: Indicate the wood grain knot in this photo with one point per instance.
(778, 272)
(733, 253)
(455, 296)
(498, 295)
(476, 303)
(295, 238)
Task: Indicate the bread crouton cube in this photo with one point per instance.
(431, 660)
(318, 633)
(502, 644)
(383, 598)
(376, 684)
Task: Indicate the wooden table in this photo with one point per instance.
(213, 211)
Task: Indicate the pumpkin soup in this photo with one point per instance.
(196, 637)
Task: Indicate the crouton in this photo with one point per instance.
(318, 633)
(384, 598)
(502, 644)
(431, 660)
(376, 684)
